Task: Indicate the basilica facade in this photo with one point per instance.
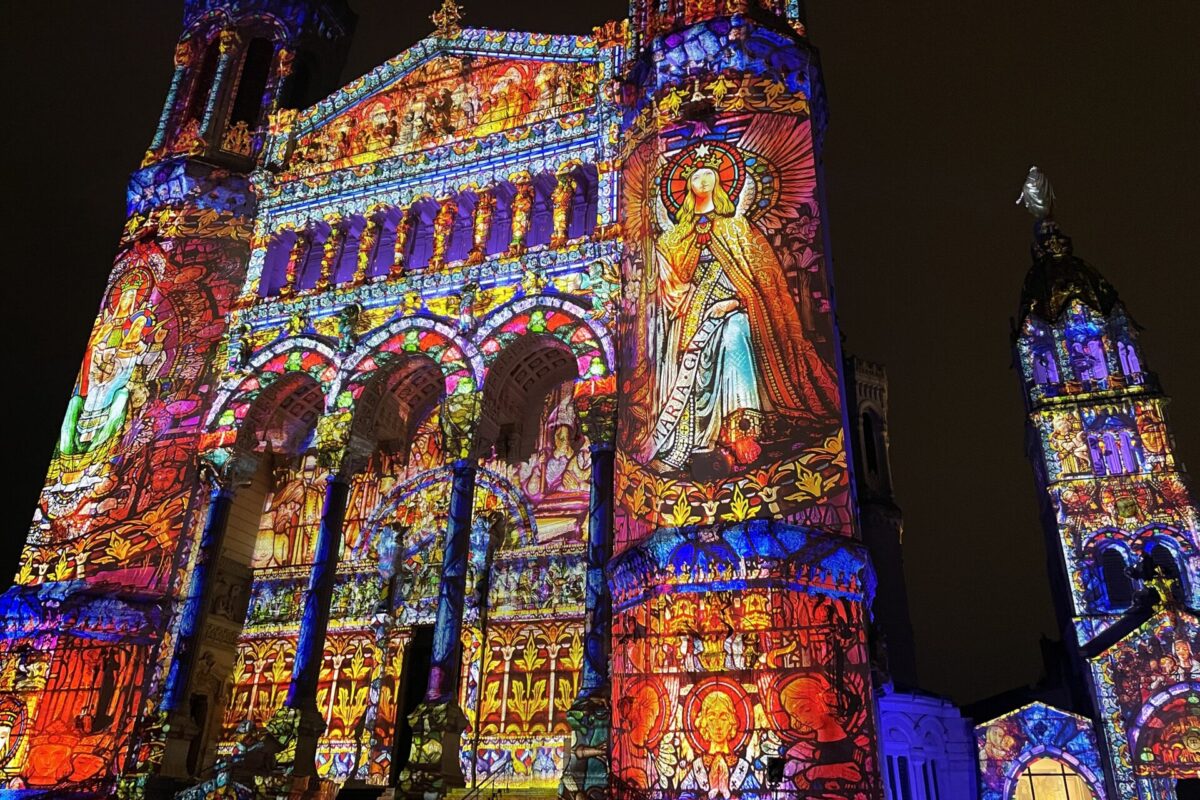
(482, 426)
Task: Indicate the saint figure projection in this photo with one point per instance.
(127, 337)
(733, 357)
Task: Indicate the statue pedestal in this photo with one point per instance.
(585, 773)
(433, 765)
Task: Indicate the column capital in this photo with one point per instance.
(460, 419)
(339, 449)
(596, 405)
(183, 52)
(228, 40)
(223, 468)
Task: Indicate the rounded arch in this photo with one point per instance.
(308, 355)
(1104, 556)
(1172, 535)
(518, 381)
(1170, 716)
(396, 398)
(282, 417)
(381, 348)
(561, 318)
(212, 22)
(1019, 766)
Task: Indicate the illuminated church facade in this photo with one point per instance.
(485, 424)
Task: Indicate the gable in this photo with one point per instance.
(446, 98)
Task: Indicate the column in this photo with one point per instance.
(522, 209)
(438, 722)
(180, 728)
(285, 57)
(183, 57)
(564, 193)
(445, 662)
(485, 206)
(403, 229)
(331, 251)
(599, 604)
(299, 724)
(586, 768)
(443, 227)
(295, 261)
(229, 42)
(366, 246)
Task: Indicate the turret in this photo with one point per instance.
(240, 60)
(110, 606)
(741, 589)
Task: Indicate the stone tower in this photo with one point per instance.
(1119, 515)
(113, 650)
(740, 587)
(881, 518)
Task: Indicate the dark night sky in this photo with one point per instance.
(937, 111)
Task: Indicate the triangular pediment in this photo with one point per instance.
(439, 91)
(1036, 709)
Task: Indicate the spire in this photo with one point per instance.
(1057, 277)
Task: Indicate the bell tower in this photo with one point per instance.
(237, 63)
(113, 593)
(1120, 518)
(740, 586)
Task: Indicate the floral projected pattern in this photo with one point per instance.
(730, 400)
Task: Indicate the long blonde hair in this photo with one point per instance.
(685, 217)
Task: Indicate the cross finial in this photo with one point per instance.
(447, 20)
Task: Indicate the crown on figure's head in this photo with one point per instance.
(704, 157)
(135, 279)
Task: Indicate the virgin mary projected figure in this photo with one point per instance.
(733, 359)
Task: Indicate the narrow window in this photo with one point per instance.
(275, 264)
(541, 222)
(198, 96)
(1118, 593)
(869, 441)
(256, 67)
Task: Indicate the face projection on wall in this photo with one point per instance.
(714, 686)
(731, 390)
